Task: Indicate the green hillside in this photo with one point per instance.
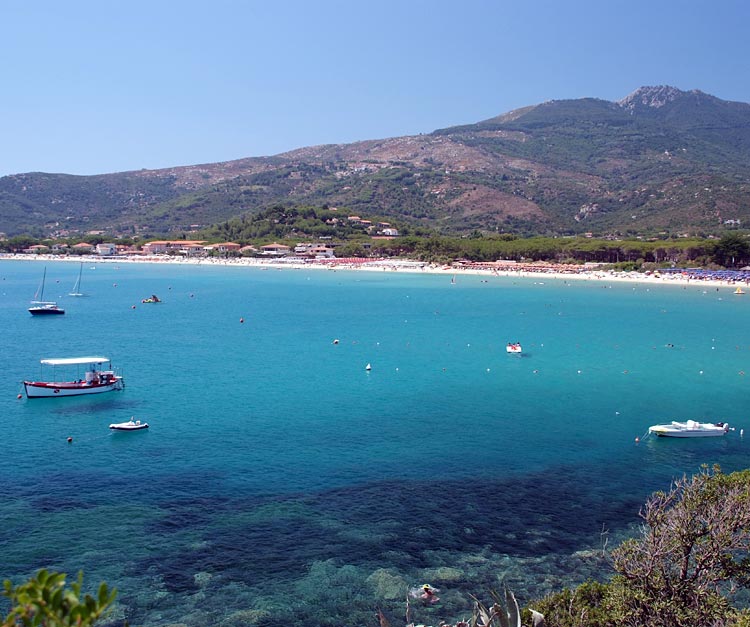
(659, 160)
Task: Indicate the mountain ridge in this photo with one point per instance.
(658, 159)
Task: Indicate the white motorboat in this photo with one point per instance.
(690, 429)
(94, 381)
(130, 425)
(514, 347)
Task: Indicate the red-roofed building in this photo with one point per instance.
(37, 248)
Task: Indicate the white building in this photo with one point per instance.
(106, 249)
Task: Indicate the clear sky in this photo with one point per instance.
(95, 86)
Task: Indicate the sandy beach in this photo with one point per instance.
(536, 270)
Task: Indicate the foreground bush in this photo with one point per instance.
(46, 600)
(692, 554)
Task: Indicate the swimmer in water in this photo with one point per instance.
(426, 593)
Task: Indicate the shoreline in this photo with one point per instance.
(530, 270)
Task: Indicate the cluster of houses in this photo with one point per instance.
(382, 228)
(199, 248)
(188, 248)
(83, 248)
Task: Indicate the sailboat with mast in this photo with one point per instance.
(41, 307)
(77, 287)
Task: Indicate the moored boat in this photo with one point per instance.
(130, 425)
(514, 347)
(95, 379)
(41, 307)
(690, 429)
(77, 286)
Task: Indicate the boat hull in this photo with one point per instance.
(690, 430)
(43, 389)
(129, 426)
(687, 434)
(45, 311)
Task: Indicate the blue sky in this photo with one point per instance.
(89, 87)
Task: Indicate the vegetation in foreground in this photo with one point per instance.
(684, 569)
(47, 600)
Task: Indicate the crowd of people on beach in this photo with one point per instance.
(704, 274)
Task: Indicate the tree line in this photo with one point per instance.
(731, 251)
(290, 225)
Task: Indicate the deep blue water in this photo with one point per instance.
(282, 482)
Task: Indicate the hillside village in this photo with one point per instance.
(315, 247)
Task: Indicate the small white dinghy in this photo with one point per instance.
(690, 429)
(130, 425)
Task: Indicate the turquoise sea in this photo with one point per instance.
(282, 483)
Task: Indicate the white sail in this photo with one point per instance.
(77, 287)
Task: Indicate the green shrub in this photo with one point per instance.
(46, 600)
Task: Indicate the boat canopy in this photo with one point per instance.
(68, 361)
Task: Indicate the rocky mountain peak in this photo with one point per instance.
(650, 97)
